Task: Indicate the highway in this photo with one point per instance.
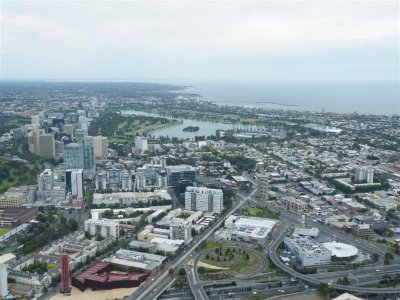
(195, 286)
(316, 281)
(148, 291)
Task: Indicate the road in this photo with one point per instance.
(150, 290)
(195, 286)
(316, 281)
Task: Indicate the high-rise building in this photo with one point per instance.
(204, 199)
(141, 144)
(101, 181)
(88, 155)
(74, 183)
(179, 173)
(181, 232)
(45, 180)
(65, 274)
(33, 140)
(262, 186)
(150, 176)
(47, 146)
(126, 181)
(45, 185)
(59, 148)
(68, 128)
(100, 145)
(35, 120)
(364, 174)
(73, 156)
(3, 280)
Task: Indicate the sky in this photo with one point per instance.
(200, 40)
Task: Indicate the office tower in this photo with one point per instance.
(33, 140)
(179, 173)
(59, 148)
(3, 280)
(262, 186)
(80, 134)
(141, 144)
(100, 147)
(73, 156)
(46, 146)
(69, 129)
(74, 183)
(65, 275)
(204, 199)
(88, 155)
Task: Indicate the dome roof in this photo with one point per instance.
(340, 249)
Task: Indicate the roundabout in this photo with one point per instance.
(228, 262)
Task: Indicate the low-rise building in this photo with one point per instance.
(362, 230)
(248, 229)
(307, 251)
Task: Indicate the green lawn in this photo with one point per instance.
(259, 212)
(235, 261)
(4, 230)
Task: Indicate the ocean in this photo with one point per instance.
(363, 97)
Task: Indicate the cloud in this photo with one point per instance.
(137, 34)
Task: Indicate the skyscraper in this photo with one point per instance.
(65, 276)
(74, 183)
(73, 156)
(47, 146)
(100, 145)
(3, 280)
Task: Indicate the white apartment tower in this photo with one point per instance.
(141, 144)
(364, 175)
(3, 280)
(204, 199)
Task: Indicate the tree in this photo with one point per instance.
(343, 281)
(182, 272)
(324, 288)
(171, 271)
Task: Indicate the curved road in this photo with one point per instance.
(147, 291)
(256, 253)
(276, 261)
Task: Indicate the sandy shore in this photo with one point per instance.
(88, 294)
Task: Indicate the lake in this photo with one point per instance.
(206, 128)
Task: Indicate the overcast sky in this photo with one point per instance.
(194, 40)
